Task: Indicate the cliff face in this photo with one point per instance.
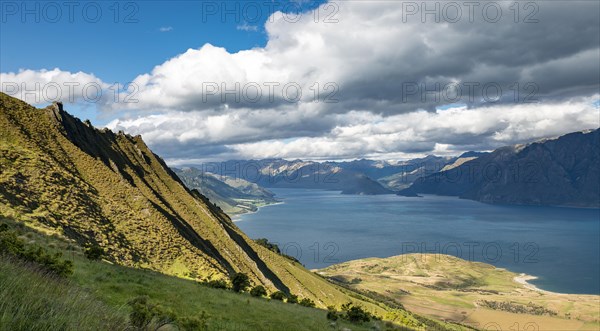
(563, 171)
(94, 186)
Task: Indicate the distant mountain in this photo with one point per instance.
(279, 173)
(233, 195)
(562, 171)
(409, 171)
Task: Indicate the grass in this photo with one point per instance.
(447, 288)
(96, 297)
(34, 300)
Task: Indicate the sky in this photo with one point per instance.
(319, 80)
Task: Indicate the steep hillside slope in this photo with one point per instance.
(233, 195)
(63, 176)
(563, 171)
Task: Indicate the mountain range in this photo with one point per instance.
(279, 173)
(561, 171)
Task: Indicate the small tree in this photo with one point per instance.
(258, 291)
(292, 298)
(278, 295)
(94, 252)
(240, 282)
(306, 302)
(217, 283)
(355, 314)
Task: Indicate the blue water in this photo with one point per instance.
(559, 245)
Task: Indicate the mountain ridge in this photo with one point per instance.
(67, 178)
(557, 171)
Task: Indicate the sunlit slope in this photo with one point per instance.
(64, 176)
(472, 293)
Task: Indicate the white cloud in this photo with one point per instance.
(361, 134)
(45, 86)
(371, 54)
(166, 29)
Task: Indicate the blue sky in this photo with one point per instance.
(377, 64)
(118, 48)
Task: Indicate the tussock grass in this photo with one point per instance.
(31, 299)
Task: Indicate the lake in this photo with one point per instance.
(558, 245)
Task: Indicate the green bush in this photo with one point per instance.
(217, 283)
(355, 314)
(306, 302)
(199, 323)
(147, 316)
(332, 315)
(10, 244)
(94, 252)
(278, 295)
(268, 245)
(292, 298)
(258, 291)
(240, 282)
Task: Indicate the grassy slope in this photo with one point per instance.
(446, 287)
(95, 297)
(62, 176)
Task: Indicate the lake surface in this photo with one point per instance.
(561, 246)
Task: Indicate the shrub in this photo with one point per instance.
(332, 315)
(146, 316)
(268, 245)
(258, 291)
(94, 252)
(240, 282)
(292, 298)
(278, 295)
(306, 302)
(217, 283)
(12, 245)
(355, 314)
(199, 323)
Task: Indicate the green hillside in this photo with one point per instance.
(94, 188)
(96, 297)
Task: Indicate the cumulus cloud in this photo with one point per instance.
(368, 79)
(379, 58)
(45, 86)
(360, 133)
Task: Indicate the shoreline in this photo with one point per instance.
(237, 217)
(524, 279)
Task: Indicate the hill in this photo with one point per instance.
(65, 177)
(471, 293)
(562, 171)
(98, 296)
(233, 195)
